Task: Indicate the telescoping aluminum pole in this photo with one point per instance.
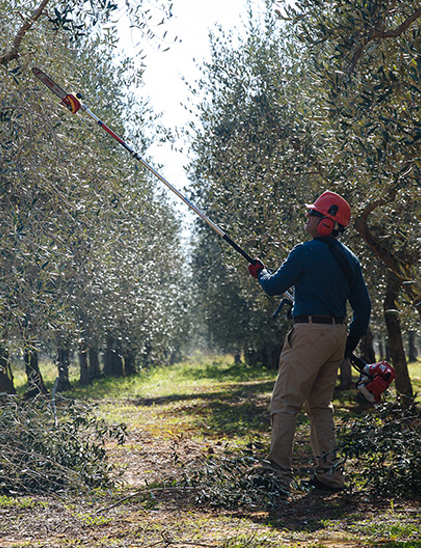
(73, 103)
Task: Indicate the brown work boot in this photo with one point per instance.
(315, 483)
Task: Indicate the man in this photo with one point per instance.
(325, 275)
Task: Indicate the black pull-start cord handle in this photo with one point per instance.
(357, 362)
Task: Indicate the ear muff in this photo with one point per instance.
(325, 226)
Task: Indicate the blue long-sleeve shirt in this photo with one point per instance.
(321, 287)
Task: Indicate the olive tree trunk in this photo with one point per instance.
(35, 381)
(83, 363)
(396, 346)
(6, 374)
(113, 363)
(63, 363)
(94, 367)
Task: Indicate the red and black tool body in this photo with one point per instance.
(374, 378)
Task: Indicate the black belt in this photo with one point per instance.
(318, 319)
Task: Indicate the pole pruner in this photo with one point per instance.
(73, 102)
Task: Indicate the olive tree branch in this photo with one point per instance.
(377, 34)
(14, 51)
(399, 266)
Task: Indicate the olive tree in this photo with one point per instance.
(365, 58)
(73, 203)
(256, 162)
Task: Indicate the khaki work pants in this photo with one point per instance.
(307, 374)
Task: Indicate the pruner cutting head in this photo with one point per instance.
(69, 100)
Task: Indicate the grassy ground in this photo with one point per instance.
(176, 417)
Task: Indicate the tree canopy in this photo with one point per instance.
(295, 107)
(90, 248)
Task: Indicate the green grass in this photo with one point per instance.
(202, 393)
(402, 544)
(389, 528)
(22, 502)
(414, 369)
(209, 398)
(159, 381)
(206, 396)
(175, 379)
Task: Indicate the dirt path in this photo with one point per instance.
(149, 509)
(138, 517)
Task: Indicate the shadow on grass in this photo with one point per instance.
(321, 508)
(237, 410)
(312, 513)
(240, 410)
(240, 372)
(216, 371)
(317, 512)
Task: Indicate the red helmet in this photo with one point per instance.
(332, 206)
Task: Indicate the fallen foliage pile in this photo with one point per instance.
(49, 449)
(384, 447)
(231, 482)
